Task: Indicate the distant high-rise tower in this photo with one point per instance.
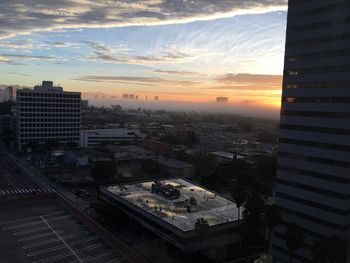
(221, 99)
(10, 93)
(313, 177)
(156, 98)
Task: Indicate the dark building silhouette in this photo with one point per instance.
(313, 178)
(10, 93)
(221, 99)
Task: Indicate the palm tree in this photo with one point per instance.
(329, 250)
(272, 219)
(202, 227)
(239, 197)
(254, 208)
(294, 237)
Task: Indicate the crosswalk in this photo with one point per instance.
(25, 191)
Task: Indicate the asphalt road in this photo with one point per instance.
(14, 182)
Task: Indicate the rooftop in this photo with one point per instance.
(227, 155)
(128, 148)
(174, 210)
(173, 163)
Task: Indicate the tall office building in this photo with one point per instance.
(313, 178)
(10, 93)
(47, 113)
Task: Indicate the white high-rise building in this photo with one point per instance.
(47, 114)
(313, 178)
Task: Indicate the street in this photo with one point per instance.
(15, 182)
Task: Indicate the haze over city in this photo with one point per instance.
(181, 51)
(175, 131)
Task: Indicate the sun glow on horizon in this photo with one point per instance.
(239, 57)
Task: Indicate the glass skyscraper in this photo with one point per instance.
(313, 177)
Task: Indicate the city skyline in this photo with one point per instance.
(192, 53)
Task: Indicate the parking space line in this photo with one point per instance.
(96, 256)
(59, 247)
(38, 236)
(48, 241)
(23, 225)
(61, 217)
(31, 231)
(47, 250)
(46, 260)
(54, 258)
(62, 240)
(116, 260)
(28, 218)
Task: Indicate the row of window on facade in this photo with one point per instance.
(319, 55)
(70, 139)
(317, 40)
(319, 85)
(324, 99)
(41, 125)
(50, 105)
(49, 130)
(49, 135)
(53, 115)
(40, 101)
(49, 120)
(320, 70)
(48, 95)
(38, 109)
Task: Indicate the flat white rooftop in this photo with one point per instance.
(210, 206)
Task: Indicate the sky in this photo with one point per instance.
(188, 51)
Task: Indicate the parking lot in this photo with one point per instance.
(44, 233)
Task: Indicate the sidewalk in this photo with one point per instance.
(37, 176)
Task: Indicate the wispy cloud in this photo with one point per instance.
(18, 74)
(245, 81)
(28, 44)
(179, 72)
(172, 54)
(26, 16)
(139, 80)
(101, 47)
(62, 44)
(12, 58)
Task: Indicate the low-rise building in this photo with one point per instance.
(91, 138)
(222, 156)
(129, 152)
(177, 168)
(97, 155)
(156, 146)
(182, 213)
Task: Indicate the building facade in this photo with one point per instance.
(47, 114)
(313, 177)
(93, 138)
(163, 208)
